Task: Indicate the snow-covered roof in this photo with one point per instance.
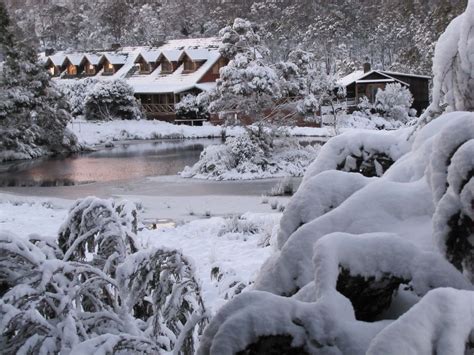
(75, 58)
(375, 81)
(57, 59)
(406, 74)
(150, 55)
(175, 82)
(116, 57)
(172, 55)
(198, 49)
(359, 75)
(198, 54)
(93, 58)
(351, 78)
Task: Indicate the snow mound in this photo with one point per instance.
(316, 197)
(441, 323)
(368, 152)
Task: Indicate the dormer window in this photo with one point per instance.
(109, 68)
(189, 65)
(145, 67)
(71, 69)
(90, 69)
(166, 66)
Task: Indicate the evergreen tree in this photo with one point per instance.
(33, 114)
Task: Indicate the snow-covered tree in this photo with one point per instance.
(109, 100)
(394, 102)
(194, 106)
(33, 113)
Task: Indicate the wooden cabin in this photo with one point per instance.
(186, 66)
(366, 83)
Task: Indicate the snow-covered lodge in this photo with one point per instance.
(160, 76)
(367, 82)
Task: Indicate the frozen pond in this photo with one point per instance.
(139, 168)
(125, 161)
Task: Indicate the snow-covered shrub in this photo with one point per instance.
(193, 106)
(50, 303)
(453, 60)
(394, 102)
(159, 287)
(368, 269)
(439, 324)
(109, 100)
(228, 282)
(367, 152)
(324, 192)
(250, 156)
(99, 232)
(453, 221)
(367, 121)
(336, 279)
(76, 92)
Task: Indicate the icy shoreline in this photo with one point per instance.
(97, 133)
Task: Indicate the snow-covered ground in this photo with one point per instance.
(95, 133)
(234, 247)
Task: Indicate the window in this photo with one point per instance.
(166, 66)
(109, 68)
(71, 69)
(90, 69)
(144, 67)
(52, 70)
(188, 64)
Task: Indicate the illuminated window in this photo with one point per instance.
(72, 69)
(52, 71)
(90, 69)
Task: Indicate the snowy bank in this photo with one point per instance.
(95, 133)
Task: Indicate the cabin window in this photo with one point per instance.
(109, 68)
(188, 64)
(72, 69)
(90, 69)
(166, 67)
(144, 67)
(52, 71)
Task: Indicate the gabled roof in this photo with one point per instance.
(172, 55)
(75, 58)
(93, 58)
(150, 56)
(175, 82)
(359, 76)
(57, 59)
(198, 54)
(115, 58)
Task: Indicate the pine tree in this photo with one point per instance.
(33, 114)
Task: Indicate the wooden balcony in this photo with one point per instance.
(159, 109)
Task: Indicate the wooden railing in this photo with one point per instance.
(159, 108)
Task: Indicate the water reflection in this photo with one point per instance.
(122, 162)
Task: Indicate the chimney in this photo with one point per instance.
(367, 67)
(48, 52)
